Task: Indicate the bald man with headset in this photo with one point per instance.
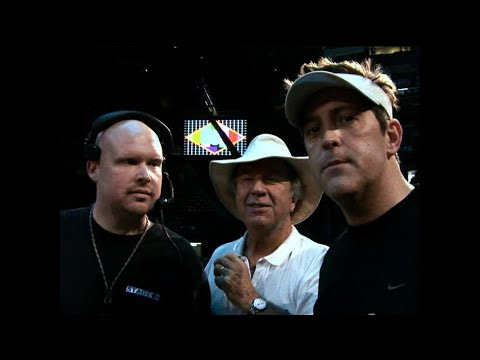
(115, 258)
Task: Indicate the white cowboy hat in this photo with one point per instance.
(267, 146)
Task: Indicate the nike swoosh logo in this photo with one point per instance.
(393, 287)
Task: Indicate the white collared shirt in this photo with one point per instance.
(288, 277)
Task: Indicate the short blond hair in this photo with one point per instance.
(364, 68)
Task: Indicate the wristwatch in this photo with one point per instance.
(258, 305)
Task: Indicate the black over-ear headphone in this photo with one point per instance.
(92, 151)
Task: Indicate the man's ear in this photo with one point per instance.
(293, 203)
(394, 137)
(92, 169)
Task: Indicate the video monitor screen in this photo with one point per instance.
(201, 137)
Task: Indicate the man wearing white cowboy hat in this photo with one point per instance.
(272, 269)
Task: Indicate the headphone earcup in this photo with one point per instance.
(91, 152)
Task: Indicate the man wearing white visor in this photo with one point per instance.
(345, 113)
(272, 269)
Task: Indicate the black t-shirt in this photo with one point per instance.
(160, 278)
(374, 268)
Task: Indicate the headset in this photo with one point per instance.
(92, 151)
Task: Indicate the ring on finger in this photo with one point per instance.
(220, 271)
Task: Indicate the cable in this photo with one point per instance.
(169, 238)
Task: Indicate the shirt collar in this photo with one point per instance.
(280, 255)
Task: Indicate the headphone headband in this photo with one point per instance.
(105, 121)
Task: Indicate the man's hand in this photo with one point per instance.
(233, 277)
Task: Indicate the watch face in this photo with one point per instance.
(259, 304)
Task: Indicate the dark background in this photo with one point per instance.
(245, 81)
